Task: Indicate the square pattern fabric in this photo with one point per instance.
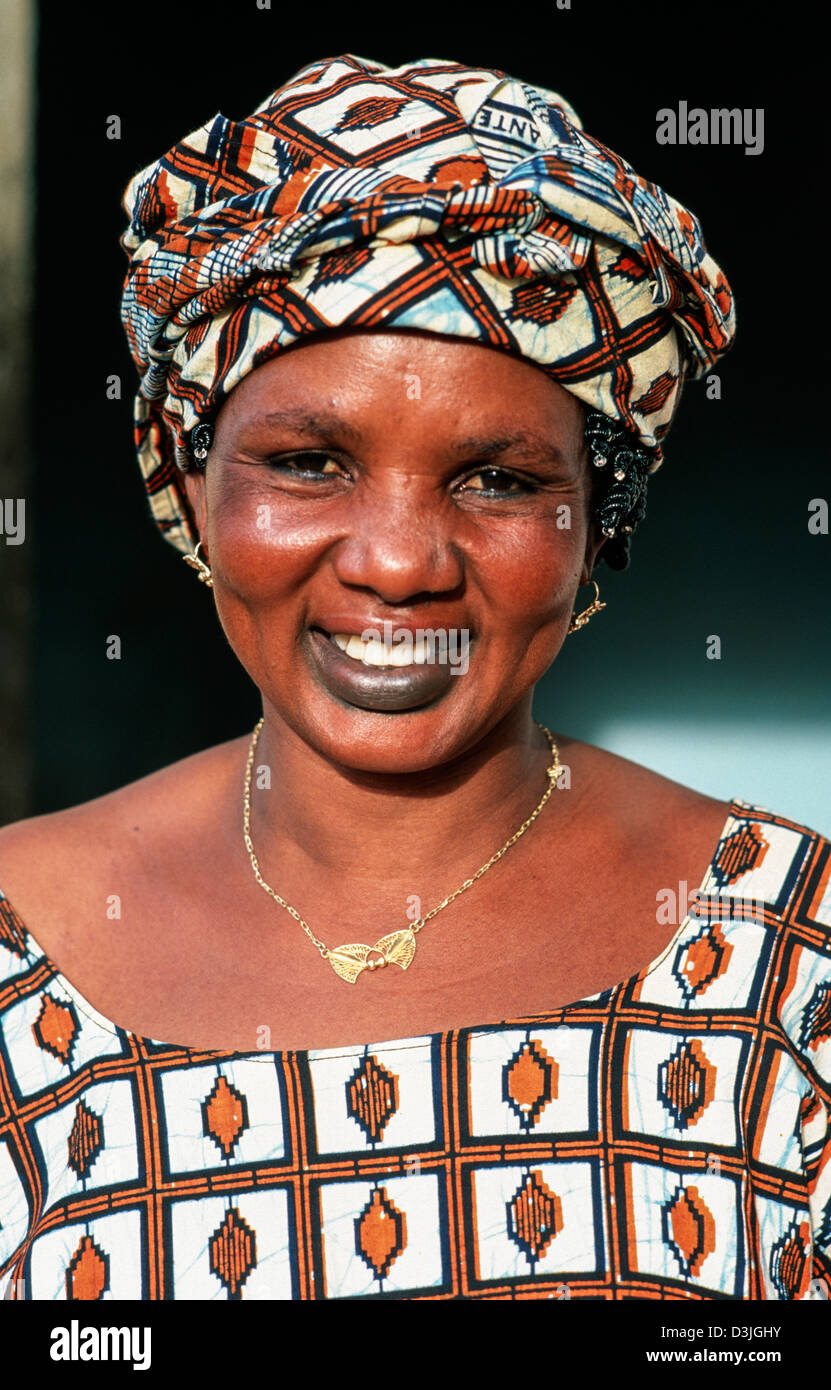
(665, 1139)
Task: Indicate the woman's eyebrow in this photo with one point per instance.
(526, 445)
(326, 426)
(302, 421)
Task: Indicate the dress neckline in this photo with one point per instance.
(58, 980)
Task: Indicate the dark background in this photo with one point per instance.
(725, 547)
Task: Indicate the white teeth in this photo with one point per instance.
(401, 654)
(375, 653)
(355, 647)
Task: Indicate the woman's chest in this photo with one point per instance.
(209, 974)
(195, 952)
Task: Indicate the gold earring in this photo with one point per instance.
(579, 620)
(196, 562)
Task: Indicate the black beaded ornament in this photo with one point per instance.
(199, 442)
(619, 490)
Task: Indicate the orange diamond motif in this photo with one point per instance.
(701, 961)
(689, 1229)
(541, 302)
(340, 265)
(224, 1115)
(529, 1081)
(370, 112)
(380, 1233)
(372, 1097)
(535, 1216)
(816, 1018)
(686, 1083)
(88, 1275)
(790, 1265)
(11, 929)
(233, 1252)
(86, 1139)
(745, 849)
(55, 1028)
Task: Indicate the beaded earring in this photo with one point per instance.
(623, 505)
(200, 440)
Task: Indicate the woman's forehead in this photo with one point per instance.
(340, 376)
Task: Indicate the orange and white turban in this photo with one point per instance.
(433, 196)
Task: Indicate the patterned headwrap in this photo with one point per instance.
(431, 196)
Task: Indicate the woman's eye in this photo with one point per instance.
(306, 465)
(497, 480)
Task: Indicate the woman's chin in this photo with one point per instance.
(387, 742)
(381, 719)
(409, 741)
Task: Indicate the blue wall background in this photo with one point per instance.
(743, 566)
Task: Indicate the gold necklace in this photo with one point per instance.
(399, 946)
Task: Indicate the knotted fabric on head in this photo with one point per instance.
(431, 196)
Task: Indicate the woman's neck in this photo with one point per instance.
(367, 824)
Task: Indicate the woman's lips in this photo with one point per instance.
(376, 687)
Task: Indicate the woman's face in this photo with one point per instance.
(404, 483)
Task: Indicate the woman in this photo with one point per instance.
(335, 1009)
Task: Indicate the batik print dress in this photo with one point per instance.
(667, 1138)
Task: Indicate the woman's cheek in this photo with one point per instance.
(262, 546)
(533, 570)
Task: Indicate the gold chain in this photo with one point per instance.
(399, 947)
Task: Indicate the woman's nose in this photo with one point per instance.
(399, 547)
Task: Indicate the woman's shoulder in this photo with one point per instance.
(754, 851)
(640, 795)
(631, 803)
(48, 861)
(763, 907)
(149, 799)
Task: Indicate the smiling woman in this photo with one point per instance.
(390, 1011)
(419, 512)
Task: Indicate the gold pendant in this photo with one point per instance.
(396, 949)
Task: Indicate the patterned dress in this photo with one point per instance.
(667, 1138)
